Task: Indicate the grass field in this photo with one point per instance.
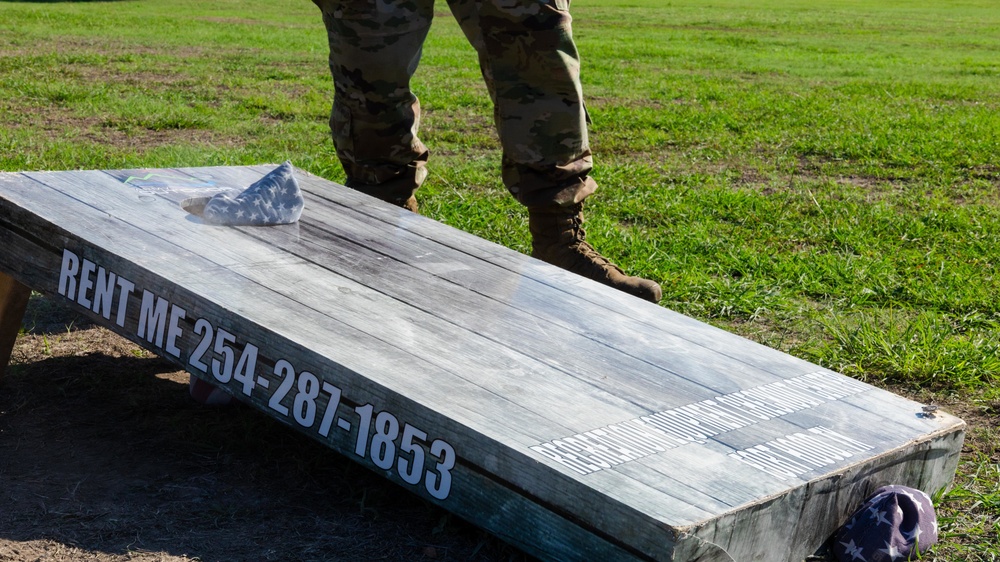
(821, 178)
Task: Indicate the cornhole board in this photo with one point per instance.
(574, 421)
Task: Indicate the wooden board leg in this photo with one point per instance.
(13, 300)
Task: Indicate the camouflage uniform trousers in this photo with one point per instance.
(531, 68)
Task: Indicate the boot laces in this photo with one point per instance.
(585, 250)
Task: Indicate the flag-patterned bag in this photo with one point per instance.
(896, 523)
(273, 199)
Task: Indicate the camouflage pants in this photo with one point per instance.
(531, 68)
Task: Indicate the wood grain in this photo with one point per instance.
(585, 423)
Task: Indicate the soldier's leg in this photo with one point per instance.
(374, 50)
(532, 69)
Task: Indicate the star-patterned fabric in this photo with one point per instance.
(273, 199)
(896, 523)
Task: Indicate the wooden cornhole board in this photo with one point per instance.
(571, 420)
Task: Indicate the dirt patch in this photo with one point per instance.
(76, 48)
(237, 21)
(261, 23)
(104, 457)
(54, 122)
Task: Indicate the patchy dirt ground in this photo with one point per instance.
(105, 458)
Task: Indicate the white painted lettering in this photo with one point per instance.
(728, 413)
(830, 445)
(754, 408)
(798, 453)
(568, 448)
(86, 283)
(152, 318)
(635, 431)
(569, 461)
(704, 420)
(794, 397)
(623, 452)
(679, 427)
(174, 330)
(711, 409)
(104, 292)
(125, 288)
(808, 449)
(761, 457)
(595, 452)
(764, 395)
(695, 423)
(828, 385)
(842, 439)
(67, 274)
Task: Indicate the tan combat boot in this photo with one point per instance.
(396, 189)
(557, 237)
(408, 204)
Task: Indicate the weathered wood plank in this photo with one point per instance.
(652, 329)
(519, 516)
(335, 235)
(582, 423)
(201, 272)
(543, 395)
(233, 262)
(477, 275)
(13, 302)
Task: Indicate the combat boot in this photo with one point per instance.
(396, 187)
(557, 237)
(408, 204)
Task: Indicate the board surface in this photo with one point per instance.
(569, 419)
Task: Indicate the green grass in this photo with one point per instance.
(823, 178)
